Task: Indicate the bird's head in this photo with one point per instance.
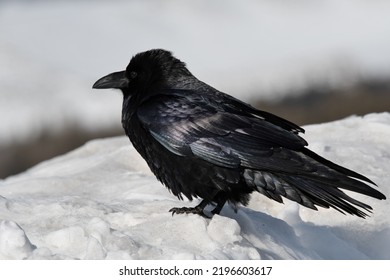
(150, 70)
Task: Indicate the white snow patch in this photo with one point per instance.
(101, 202)
(14, 243)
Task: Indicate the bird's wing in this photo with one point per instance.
(195, 126)
(235, 105)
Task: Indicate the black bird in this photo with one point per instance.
(203, 143)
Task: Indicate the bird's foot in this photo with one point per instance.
(189, 210)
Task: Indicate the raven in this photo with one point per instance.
(202, 143)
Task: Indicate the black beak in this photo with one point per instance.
(113, 80)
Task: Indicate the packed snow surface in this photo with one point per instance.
(101, 202)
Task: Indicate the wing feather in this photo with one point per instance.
(190, 127)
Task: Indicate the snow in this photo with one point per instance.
(53, 51)
(100, 201)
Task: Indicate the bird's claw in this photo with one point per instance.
(189, 210)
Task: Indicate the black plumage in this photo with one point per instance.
(202, 143)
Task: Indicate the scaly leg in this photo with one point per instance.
(191, 210)
(219, 207)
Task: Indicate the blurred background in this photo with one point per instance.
(310, 61)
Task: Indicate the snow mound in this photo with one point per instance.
(101, 202)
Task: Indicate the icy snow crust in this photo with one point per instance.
(101, 202)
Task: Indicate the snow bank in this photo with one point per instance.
(101, 202)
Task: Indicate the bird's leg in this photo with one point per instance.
(192, 210)
(219, 207)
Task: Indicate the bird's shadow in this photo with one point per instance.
(273, 238)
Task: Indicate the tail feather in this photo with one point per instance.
(329, 196)
(335, 166)
(311, 191)
(340, 176)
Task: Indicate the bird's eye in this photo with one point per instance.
(133, 74)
